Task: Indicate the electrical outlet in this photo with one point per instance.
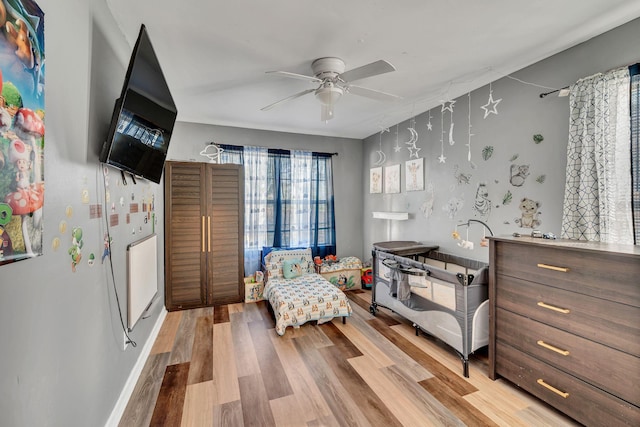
(125, 341)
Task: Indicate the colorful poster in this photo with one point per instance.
(21, 129)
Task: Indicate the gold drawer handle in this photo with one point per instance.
(553, 348)
(554, 308)
(552, 388)
(554, 268)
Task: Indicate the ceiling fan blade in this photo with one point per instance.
(369, 70)
(372, 93)
(296, 76)
(289, 98)
(326, 112)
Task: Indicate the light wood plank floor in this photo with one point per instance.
(226, 366)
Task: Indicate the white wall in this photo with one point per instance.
(521, 114)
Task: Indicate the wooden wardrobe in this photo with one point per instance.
(204, 233)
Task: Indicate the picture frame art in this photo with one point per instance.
(414, 175)
(375, 180)
(392, 179)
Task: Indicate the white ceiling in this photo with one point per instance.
(215, 53)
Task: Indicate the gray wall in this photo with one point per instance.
(61, 353)
(62, 357)
(62, 362)
(521, 114)
(190, 139)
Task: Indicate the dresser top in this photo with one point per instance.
(578, 245)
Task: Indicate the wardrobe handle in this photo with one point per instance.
(209, 232)
(202, 233)
(554, 268)
(553, 348)
(554, 308)
(552, 388)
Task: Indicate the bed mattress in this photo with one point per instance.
(303, 299)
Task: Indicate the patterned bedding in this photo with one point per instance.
(304, 298)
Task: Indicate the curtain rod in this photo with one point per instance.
(542, 95)
(276, 150)
(633, 69)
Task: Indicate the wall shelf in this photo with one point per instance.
(398, 216)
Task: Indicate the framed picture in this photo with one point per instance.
(414, 175)
(392, 179)
(375, 180)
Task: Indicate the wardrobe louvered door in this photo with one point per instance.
(204, 234)
(226, 263)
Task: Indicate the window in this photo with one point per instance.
(288, 200)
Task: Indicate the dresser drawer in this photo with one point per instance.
(616, 325)
(590, 361)
(600, 274)
(581, 401)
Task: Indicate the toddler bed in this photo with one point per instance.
(298, 295)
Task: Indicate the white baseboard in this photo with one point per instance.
(129, 386)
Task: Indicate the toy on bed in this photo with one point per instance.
(297, 294)
(345, 273)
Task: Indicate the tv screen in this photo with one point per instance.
(143, 117)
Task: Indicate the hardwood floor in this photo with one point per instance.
(226, 366)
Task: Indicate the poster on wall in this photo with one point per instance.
(392, 179)
(375, 180)
(414, 173)
(21, 129)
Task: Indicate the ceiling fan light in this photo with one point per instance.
(329, 95)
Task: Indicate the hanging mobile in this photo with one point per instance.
(442, 158)
(397, 148)
(484, 242)
(491, 107)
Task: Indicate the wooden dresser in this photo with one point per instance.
(564, 323)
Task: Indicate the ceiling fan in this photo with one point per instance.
(333, 82)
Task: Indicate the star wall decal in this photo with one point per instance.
(491, 106)
(442, 158)
(429, 125)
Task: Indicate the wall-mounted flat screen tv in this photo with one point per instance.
(143, 117)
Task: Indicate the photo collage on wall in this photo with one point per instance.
(21, 130)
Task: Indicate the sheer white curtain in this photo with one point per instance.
(597, 201)
(255, 200)
(301, 176)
